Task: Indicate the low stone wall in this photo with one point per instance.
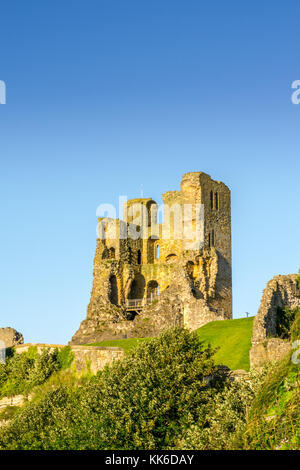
(94, 358)
(21, 348)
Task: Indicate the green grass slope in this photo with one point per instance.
(232, 337)
(126, 344)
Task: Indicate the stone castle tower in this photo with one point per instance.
(149, 276)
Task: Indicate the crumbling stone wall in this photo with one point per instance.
(10, 337)
(194, 281)
(92, 358)
(280, 292)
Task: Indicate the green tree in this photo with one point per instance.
(145, 401)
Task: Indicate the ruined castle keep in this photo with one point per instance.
(150, 276)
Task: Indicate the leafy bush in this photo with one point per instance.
(21, 372)
(145, 401)
(65, 357)
(273, 421)
(8, 412)
(226, 420)
(295, 328)
(42, 424)
(285, 319)
(165, 394)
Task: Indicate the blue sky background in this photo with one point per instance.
(106, 95)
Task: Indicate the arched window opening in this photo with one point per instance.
(217, 201)
(133, 290)
(150, 250)
(111, 253)
(152, 208)
(157, 252)
(211, 200)
(152, 290)
(211, 238)
(139, 257)
(190, 269)
(172, 258)
(113, 290)
(137, 287)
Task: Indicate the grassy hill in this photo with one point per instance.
(232, 337)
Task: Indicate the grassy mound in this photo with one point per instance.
(232, 337)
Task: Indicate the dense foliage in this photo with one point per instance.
(258, 412)
(285, 320)
(273, 421)
(166, 394)
(298, 280)
(295, 327)
(22, 372)
(142, 402)
(226, 420)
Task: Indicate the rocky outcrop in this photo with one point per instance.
(280, 292)
(10, 337)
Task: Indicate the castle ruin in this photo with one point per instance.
(149, 276)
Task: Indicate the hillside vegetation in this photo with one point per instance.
(273, 421)
(22, 372)
(232, 338)
(167, 393)
(151, 396)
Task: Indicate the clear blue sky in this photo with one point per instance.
(106, 95)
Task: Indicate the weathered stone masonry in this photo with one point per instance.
(10, 337)
(149, 276)
(281, 291)
(92, 358)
